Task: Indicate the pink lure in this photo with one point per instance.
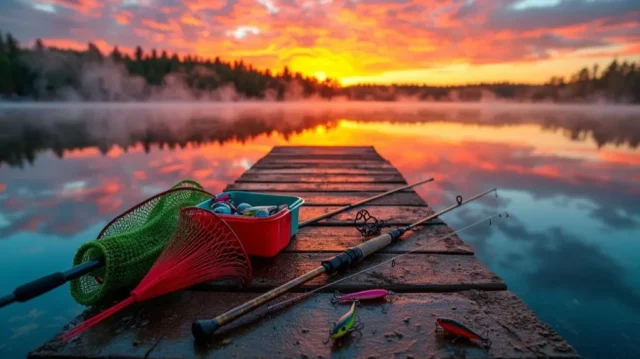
(364, 295)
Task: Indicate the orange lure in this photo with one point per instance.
(454, 327)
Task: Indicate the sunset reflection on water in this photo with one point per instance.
(569, 179)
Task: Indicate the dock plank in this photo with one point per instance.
(403, 327)
(425, 239)
(326, 178)
(346, 198)
(326, 156)
(391, 215)
(317, 150)
(412, 273)
(379, 166)
(314, 187)
(314, 161)
(323, 171)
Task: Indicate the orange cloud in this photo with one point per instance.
(197, 5)
(172, 26)
(123, 18)
(189, 19)
(140, 175)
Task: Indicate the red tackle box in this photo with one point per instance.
(262, 236)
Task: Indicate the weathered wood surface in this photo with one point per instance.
(310, 178)
(315, 187)
(326, 172)
(380, 167)
(329, 178)
(346, 198)
(320, 161)
(323, 150)
(396, 215)
(401, 328)
(426, 239)
(339, 157)
(412, 273)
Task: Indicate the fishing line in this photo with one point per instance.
(392, 260)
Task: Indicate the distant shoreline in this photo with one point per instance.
(326, 105)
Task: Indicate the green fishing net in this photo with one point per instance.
(131, 243)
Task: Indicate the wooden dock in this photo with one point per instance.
(444, 279)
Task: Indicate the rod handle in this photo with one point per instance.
(204, 328)
(39, 286)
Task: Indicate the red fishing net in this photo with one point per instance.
(202, 248)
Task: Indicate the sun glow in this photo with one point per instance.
(321, 76)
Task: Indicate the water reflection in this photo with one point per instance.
(569, 176)
(25, 132)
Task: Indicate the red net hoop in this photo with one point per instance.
(203, 248)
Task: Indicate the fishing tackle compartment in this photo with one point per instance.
(262, 236)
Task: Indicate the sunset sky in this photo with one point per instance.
(418, 41)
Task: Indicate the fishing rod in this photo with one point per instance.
(350, 206)
(49, 282)
(204, 328)
(392, 260)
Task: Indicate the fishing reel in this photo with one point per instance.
(367, 224)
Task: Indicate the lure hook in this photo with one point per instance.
(459, 199)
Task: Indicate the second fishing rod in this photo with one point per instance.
(203, 329)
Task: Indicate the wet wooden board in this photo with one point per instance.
(393, 216)
(381, 167)
(346, 198)
(315, 161)
(402, 328)
(412, 273)
(323, 171)
(323, 150)
(314, 187)
(326, 178)
(425, 239)
(325, 157)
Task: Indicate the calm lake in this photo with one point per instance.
(569, 176)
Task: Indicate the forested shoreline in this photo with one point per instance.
(43, 73)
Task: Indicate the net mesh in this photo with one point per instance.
(203, 248)
(132, 242)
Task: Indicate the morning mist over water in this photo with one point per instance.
(568, 175)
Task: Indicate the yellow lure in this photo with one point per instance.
(344, 324)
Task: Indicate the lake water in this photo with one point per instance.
(569, 176)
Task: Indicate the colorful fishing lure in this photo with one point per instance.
(454, 327)
(370, 294)
(344, 325)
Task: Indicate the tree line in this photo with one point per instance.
(49, 73)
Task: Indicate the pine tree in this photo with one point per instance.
(139, 53)
(116, 55)
(12, 47)
(39, 45)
